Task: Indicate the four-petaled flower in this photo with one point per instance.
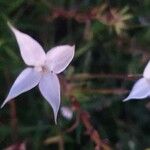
(42, 69)
(141, 89)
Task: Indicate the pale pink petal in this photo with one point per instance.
(146, 72)
(31, 51)
(50, 89)
(28, 79)
(140, 90)
(58, 58)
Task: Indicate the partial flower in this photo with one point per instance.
(66, 112)
(141, 88)
(42, 69)
(117, 19)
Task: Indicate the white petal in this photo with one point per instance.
(50, 89)
(58, 58)
(66, 112)
(140, 90)
(146, 72)
(27, 79)
(31, 51)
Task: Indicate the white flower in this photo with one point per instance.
(66, 112)
(141, 89)
(42, 69)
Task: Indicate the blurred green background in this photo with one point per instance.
(112, 41)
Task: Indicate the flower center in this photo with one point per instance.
(43, 69)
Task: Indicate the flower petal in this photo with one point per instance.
(28, 79)
(66, 112)
(58, 58)
(50, 89)
(31, 51)
(146, 72)
(140, 90)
